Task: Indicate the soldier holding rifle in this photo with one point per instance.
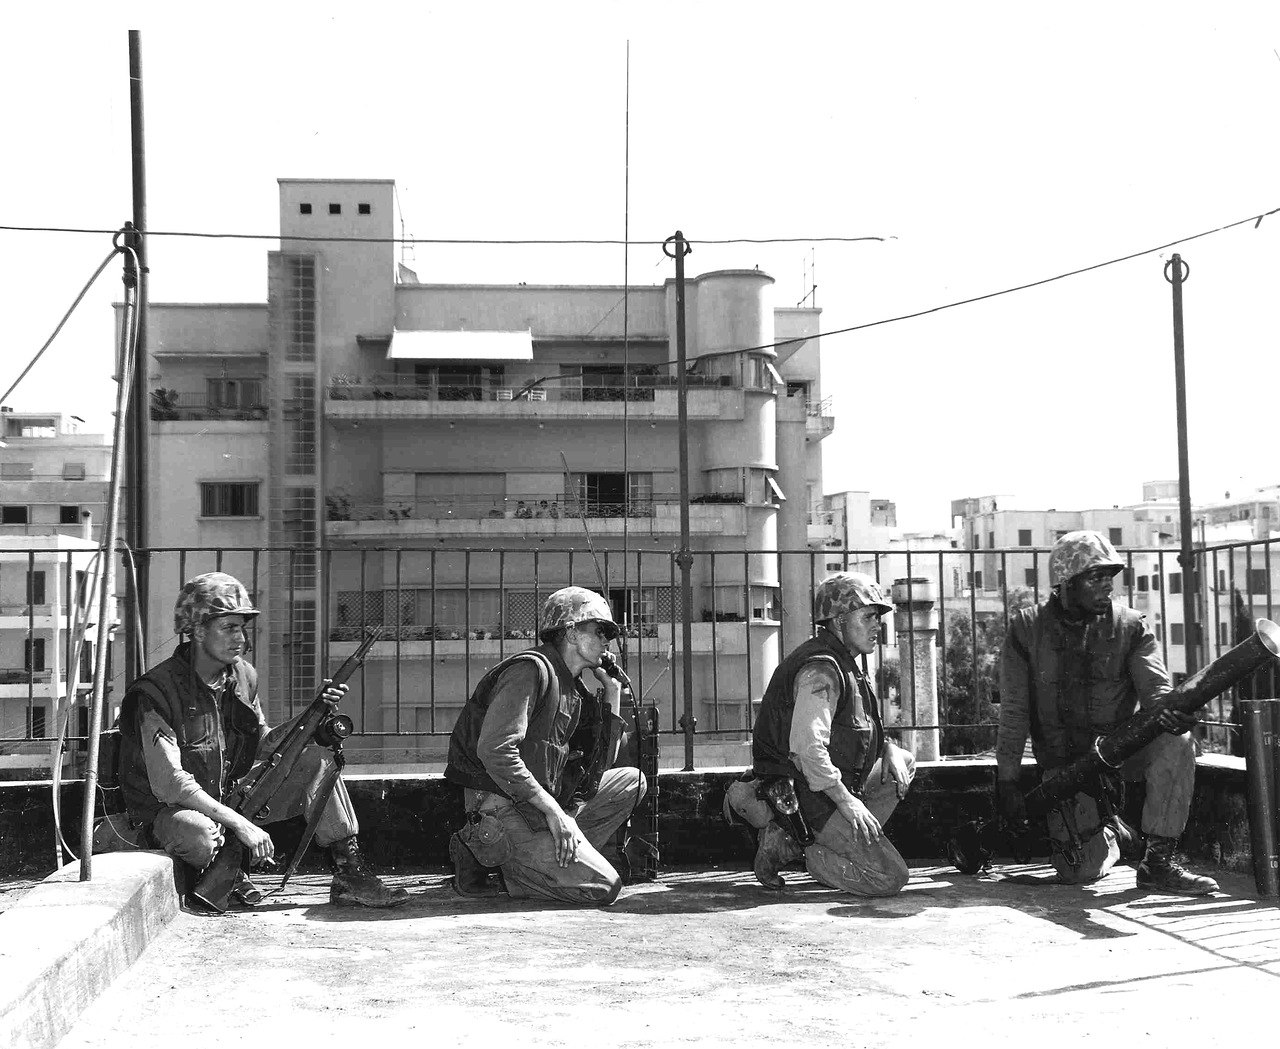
(1071, 670)
(192, 726)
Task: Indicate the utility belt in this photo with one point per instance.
(779, 793)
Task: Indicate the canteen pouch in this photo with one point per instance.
(486, 837)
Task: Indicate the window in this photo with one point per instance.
(975, 580)
(304, 209)
(1030, 577)
(991, 540)
(775, 493)
(1116, 536)
(1126, 578)
(1258, 582)
(1155, 582)
(73, 471)
(35, 588)
(17, 471)
(364, 209)
(1058, 534)
(33, 653)
(36, 723)
(1159, 631)
(1177, 635)
(1224, 635)
(229, 499)
(13, 515)
(234, 393)
(68, 515)
(1222, 579)
(798, 389)
(1000, 579)
(1024, 536)
(86, 663)
(1175, 582)
(335, 209)
(1142, 584)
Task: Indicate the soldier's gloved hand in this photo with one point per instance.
(1009, 801)
(1176, 722)
(333, 694)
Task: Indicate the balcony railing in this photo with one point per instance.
(531, 507)
(397, 387)
(170, 405)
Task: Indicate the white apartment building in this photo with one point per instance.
(53, 486)
(451, 448)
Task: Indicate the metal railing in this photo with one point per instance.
(409, 387)
(172, 405)
(529, 506)
(451, 613)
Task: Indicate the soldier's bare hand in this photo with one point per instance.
(564, 832)
(1176, 722)
(332, 693)
(866, 828)
(256, 841)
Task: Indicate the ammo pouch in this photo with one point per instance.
(779, 793)
(486, 837)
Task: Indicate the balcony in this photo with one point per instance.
(172, 406)
(647, 397)
(819, 422)
(518, 516)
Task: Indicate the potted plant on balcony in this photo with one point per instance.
(337, 505)
(164, 404)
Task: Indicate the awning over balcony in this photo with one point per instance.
(461, 346)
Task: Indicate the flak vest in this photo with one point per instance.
(552, 720)
(854, 745)
(191, 710)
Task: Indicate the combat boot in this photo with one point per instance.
(470, 877)
(1159, 870)
(354, 883)
(776, 849)
(1133, 846)
(245, 892)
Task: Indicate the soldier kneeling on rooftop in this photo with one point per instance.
(824, 778)
(192, 726)
(1071, 670)
(532, 751)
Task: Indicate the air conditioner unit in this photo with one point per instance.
(538, 394)
(503, 393)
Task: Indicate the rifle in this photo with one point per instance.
(251, 797)
(973, 845)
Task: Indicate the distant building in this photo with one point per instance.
(416, 432)
(51, 474)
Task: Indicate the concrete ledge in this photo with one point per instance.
(64, 942)
(405, 821)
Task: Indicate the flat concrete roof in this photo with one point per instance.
(706, 957)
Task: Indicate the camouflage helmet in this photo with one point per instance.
(576, 604)
(845, 592)
(210, 596)
(1078, 552)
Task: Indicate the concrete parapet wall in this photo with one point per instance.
(406, 819)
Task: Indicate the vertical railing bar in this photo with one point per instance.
(466, 621)
(1164, 621)
(435, 632)
(399, 627)
(290, 633)
(746, 607)
(715, 656)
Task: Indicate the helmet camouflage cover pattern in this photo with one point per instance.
(1078, 552)
(573, 605)
(210, 596)
(845, 592)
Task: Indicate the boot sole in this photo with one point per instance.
(351, 901)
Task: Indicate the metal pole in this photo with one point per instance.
(106, 598)
(676, 248)
(1176, 272)
(139, 422)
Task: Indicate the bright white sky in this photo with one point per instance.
(999, 144)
